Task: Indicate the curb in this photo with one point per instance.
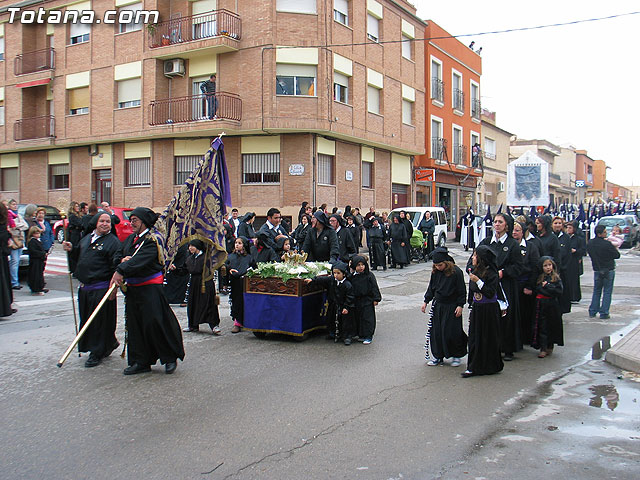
(626, 353)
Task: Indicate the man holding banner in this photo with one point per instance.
(153, 329)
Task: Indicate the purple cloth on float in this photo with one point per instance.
(284, 313)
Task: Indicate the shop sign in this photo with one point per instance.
(425, 175)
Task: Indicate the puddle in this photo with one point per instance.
(621, 398)
(604, 394)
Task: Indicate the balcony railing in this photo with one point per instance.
(476, 109)
(459, 154)
(437, 89)
(438, 147)
(217, 23)
(36, 61)
(193, 108)
(35, 127)
(458, 100)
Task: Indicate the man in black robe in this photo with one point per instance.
(273, 229)
(321, 243)
(99, 253)
(346, 243)
(154, 331)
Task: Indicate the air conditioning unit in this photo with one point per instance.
(501, 186)
(174, 67)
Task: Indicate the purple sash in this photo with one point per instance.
(137, 281)
(95, 286)
(480, 298)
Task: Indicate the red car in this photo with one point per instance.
(123, 229)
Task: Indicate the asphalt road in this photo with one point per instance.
(244, 408)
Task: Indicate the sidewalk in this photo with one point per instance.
(626, 353)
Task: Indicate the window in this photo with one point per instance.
(185, 164)
(407, 112)
(489, 148)
(437, 143)
(130, 26)
(458, 157)
(341, 11)
(373, 99)
(1, 48)
(1, 112)
(138, 172)
(325, 169)
(475, 101)
(260, 168)
(367, 175)
(296, 6)
(78, 101)
(79, 33)
(437, 85)
(475, 150)
(458, 95)
(129, 93)
(340, 87)
(406, 47)
(58, 176)
(292, 79)
(9, 179)
(373, 28)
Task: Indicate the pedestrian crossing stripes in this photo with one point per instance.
(56, 266)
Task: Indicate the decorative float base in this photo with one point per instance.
(292, 307)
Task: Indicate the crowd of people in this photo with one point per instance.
(522, 280)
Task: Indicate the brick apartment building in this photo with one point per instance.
(453, 124)
(319, 100)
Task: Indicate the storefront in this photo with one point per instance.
(456, 199)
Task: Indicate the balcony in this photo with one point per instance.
(34, 128)
(458, 100)
(193, 108)
(36, 61)
(438, 148)
(218, 28)
(476, 109)
(459, 154)
(437, 89)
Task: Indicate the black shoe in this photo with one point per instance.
(17, 287)
(508, 357)
(191, 329)
(347, 341)
(604, 317)
(45, 290)
(92, 361)
(136, 368)
(170, 367)
(14, 310)
(115, 345)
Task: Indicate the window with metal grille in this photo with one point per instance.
(58, 176)
(9, 179)
(260, 168)
(367, 175)
(185, 164)
(138, 171)
(325, 169)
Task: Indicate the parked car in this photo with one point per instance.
(437, 213)
(629, 225)
(123, 229)
(52, 214)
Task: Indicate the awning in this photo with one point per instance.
(34, 83)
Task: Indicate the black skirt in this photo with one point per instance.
(201, 307)
(484, 339)
(100, 337)
(447, 337)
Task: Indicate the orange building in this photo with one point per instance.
(452, 124)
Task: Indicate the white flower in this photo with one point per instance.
(297, 270)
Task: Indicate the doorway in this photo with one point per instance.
(102, 186)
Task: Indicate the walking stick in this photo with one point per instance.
(73, 301)
(86, 325)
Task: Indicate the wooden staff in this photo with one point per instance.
(73, 301)
(86, 325)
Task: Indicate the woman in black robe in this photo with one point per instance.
(399, 240)
(428, 227)
(526, 280)
(484, 320)
(301, 231)
(6, 293)
(37, 259)
(245, 229)
(557, 225)
(577, 250)
(177, 278)
(202, 306)
(446, 338)
(549, 245)
(237, 265)
(509, 263)
(377, 239)
(74, 234)
(406, 221)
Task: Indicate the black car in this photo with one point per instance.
(52, 214)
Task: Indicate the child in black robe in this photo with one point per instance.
(237, 265)
(445, 335)
(367, 295)
(262, 252)
(201, 305)
(484, 321)
(37, 260)
(341, 303)
(547, 326)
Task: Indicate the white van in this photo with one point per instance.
(415, 214)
